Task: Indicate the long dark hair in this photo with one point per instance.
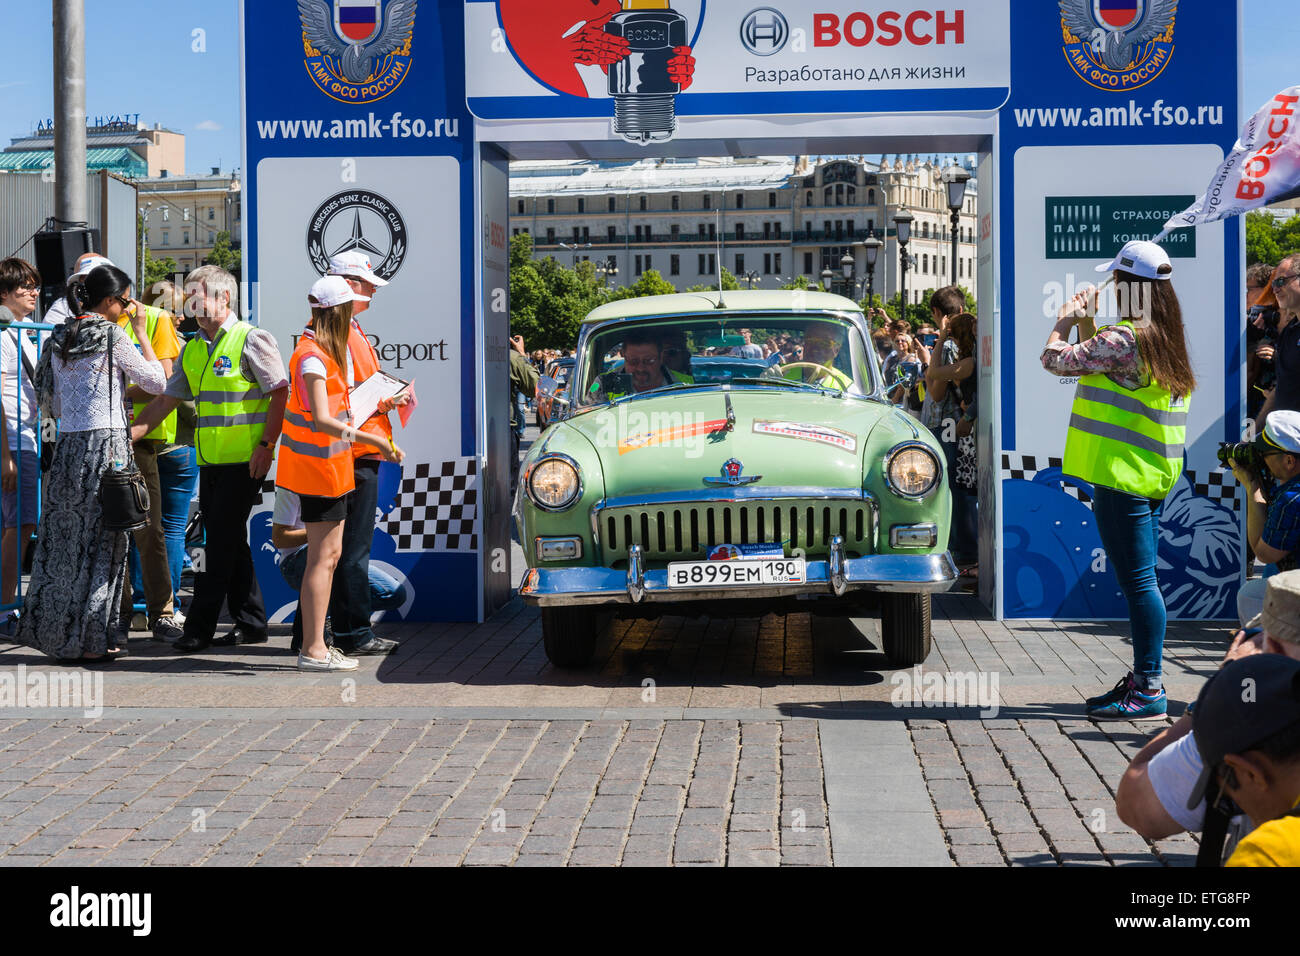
(961, 329)
(1161, 342)
(101, 283)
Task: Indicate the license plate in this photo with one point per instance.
(729, 574)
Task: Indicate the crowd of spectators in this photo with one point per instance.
(180, 391)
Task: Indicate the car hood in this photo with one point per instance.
(781, 437)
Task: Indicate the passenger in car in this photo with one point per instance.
(677, 356)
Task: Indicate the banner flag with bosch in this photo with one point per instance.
(1263, 168)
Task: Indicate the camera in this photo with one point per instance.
(1267, 317)
(1248, 457)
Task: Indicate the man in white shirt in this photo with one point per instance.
(1154, 792)
(20, 463)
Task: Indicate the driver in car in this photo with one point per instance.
(821, 346)
(643, 369)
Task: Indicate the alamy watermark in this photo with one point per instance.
(629, 429)
(922, 688)
(70, 690)
(1115, 301)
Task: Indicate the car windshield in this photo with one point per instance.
(815, 354)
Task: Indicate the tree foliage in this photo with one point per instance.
(223, 255)
(1269, 239)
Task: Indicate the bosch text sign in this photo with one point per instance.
(837, 56)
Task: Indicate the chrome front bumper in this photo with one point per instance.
(894, 573)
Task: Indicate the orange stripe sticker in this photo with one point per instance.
(666, 435)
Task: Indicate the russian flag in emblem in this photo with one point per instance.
(356, 20)
(1117, 14)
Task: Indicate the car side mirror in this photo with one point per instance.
(548, 387)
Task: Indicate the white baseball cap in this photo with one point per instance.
(357, 264)
(87, 265)
(330, 291)
(1282, 431)
(1141, 258)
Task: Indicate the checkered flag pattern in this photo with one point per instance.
(1217, 485)
(1025, 467)
(266, 496)
(437, 508)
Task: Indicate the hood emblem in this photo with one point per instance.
(733, 475)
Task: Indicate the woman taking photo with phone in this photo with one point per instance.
(1126, 435)
(73, 601)
(316, 456)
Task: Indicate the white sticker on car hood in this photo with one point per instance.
(819, 433)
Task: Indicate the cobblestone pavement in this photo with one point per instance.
(761, 741)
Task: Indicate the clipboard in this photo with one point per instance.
(364, 397)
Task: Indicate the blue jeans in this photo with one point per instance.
(178, 472)
(1130, 532)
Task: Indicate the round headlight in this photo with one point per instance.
(553, 484)
(913, 471)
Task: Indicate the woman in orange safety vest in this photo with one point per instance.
(316, 456)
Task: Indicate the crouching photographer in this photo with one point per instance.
(1269, 470)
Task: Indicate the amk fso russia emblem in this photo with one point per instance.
(1118, 44)
(358, 51)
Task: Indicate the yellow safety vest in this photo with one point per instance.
(1130, 440)
(166, 431)
(231, 410)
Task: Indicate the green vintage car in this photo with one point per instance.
(688, 473)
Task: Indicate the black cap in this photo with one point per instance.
(1246, 702)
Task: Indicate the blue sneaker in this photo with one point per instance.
(1134, 705)
(1126, 684)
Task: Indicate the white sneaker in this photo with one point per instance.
(334, 661)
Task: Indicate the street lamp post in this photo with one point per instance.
(574, 247)
(144, 242)
(827, 278)
(955, 178)
(871, 246)
(750, 276)
(903, 223)
(605, 270)
(848, 265)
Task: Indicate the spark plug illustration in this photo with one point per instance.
(656, 67)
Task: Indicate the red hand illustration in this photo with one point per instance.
(681, 68)
(592, 44)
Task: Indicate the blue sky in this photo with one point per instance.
(140, 59)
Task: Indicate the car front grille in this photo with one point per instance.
(683, 531)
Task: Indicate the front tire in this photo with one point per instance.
(569, 635)
(905, 628)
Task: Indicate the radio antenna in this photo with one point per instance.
(717, 215)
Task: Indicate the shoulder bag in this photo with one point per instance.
(123, 494)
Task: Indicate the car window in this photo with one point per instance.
(816, 353)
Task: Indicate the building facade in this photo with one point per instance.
(183, 216)
(771, 219)
(122, 145)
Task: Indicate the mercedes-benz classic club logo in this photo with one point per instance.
(357, 220)
(358, 51)
(1118, 44)
(764, 31)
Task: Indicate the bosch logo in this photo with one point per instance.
(890, 28)
(764, 31)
